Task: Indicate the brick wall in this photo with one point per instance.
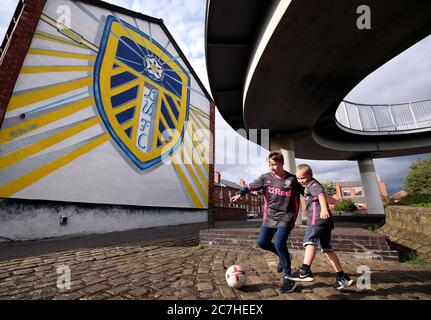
(230, 214)
(360, 243)
(18, 45)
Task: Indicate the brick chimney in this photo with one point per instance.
(217, 177)
(242, 183)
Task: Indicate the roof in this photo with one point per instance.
(350, 184)
(226, 183)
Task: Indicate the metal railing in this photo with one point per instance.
(384, 118)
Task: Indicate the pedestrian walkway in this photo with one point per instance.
(179, 268)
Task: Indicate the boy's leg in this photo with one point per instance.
(325, 244)
(281, 236)
(283, 253)
(333, 260)
(342, 279)
(311, 238)
(310, 253)
(265, 239)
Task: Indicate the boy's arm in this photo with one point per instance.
(324, 213)
(255, 185)
(316, 190)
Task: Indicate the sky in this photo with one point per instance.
(405, 78)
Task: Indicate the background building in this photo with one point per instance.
(355, 191)
(224, 190)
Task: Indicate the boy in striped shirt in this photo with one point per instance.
(320, 224)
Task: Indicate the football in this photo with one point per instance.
(235, 276)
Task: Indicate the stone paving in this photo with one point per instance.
(180, 269)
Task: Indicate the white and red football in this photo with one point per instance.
(235, 276)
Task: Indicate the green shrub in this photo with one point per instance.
(329, 187)
(416, 200)
(374, 228)
(418, 179)
(413, 258)
(345, 205)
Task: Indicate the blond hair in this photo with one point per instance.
(305, 167)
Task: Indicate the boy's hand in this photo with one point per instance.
(324, 215)
(235, 198)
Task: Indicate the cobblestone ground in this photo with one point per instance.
(179, 269)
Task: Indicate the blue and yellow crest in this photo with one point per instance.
(142, 93)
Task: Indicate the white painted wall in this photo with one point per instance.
(24, 221)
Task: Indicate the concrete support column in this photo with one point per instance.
(286, 147)
(371, 186)
(289, 159)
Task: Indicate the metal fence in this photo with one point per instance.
(381, 118)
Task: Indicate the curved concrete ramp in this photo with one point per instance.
(306, 57)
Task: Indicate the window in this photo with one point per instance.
(346, 192)
(358, 191)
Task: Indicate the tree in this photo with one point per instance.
(329, 187)
(418, 179)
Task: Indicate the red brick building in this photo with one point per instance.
(354, 190)
(224, 190)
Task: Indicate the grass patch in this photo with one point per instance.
(374, 228)
(407, 255)
(416, 260)
(412, 257)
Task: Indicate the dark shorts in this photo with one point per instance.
(318, 235)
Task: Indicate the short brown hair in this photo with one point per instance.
(306, 167)
(276, 156)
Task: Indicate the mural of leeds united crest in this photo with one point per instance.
(141, 92)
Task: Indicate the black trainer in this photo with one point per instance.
(288, 285)
(342, 282)
(302, 275)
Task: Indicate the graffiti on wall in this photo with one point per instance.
(105, 110)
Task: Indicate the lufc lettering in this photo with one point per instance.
(223, 309)
(145, 120)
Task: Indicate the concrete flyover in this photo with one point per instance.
(287, 65)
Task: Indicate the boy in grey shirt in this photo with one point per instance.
(281, 193)
(320, 224)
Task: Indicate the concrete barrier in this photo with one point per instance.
(22, 220)
(409, 227)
